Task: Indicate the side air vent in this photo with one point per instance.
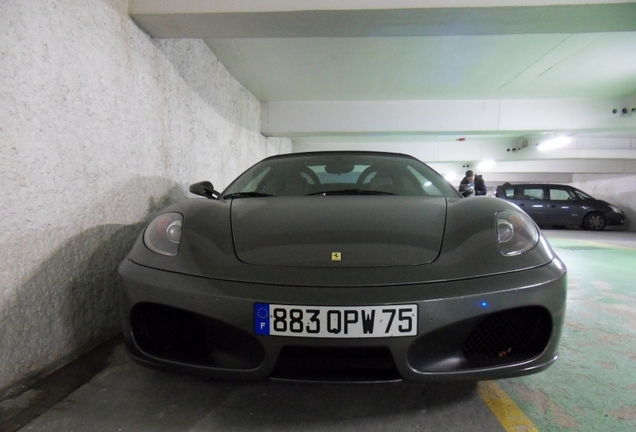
(515, 334)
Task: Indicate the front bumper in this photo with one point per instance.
(614, 219)
(472, 329)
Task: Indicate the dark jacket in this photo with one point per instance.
(466, 188)
(480, 185)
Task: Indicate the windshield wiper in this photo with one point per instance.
(247, 195)
(352, 192)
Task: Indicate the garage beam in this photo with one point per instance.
(292, 118)
(365, 18)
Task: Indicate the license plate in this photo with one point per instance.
(335, 321)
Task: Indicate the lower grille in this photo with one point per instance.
(336, 364)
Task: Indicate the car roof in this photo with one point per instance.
(340, 152)
(536, 184)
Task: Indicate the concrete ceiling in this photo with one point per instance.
(446, 81)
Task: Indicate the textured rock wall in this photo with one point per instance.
(100, 126)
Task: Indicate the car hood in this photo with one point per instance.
(468, 250)
(338, 231)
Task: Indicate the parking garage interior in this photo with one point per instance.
(111, 108)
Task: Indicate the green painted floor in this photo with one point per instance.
(592, 387)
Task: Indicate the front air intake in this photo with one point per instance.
(510, 335)
(182, 336)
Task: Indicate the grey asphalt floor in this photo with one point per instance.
(128, 397)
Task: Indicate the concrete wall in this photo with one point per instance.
(100, 126)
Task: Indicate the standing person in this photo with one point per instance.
(467, 185)
(480, 185)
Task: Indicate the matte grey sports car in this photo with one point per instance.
(342, 266)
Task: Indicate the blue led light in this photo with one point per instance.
(483, 304)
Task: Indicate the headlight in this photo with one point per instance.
(516, 233)
(163, 234)
(616, 209)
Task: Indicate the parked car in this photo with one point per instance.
(342, 266)
(561, 205)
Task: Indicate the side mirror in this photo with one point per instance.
(204, 189)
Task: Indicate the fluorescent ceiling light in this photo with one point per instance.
(485, 165)
(554, 143)
(450, 176)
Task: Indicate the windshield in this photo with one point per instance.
(347, 173)
(583, 195)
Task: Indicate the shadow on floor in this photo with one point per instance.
(29, 399)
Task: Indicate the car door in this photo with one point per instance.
(532, 200)
(563, 207)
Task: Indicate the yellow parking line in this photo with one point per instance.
(506, 411)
